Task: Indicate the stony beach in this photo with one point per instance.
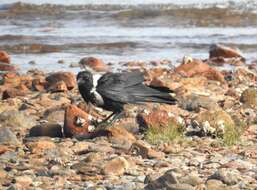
(206, 142)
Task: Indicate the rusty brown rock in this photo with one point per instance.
(67, 77)
(13, 92)
(39, 84)
(4, 57)
(3, 149)
(156, 119)
(218, 50)
(194, 67)
(58, 87)
(11, 79)
(94, 63)
(76, 122)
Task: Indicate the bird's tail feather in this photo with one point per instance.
(157, 99)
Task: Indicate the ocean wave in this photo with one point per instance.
(114, 47)
(244, 8)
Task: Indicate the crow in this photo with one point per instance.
(113, 90)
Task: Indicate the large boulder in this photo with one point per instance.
(93, 63)
(67, 77)
(194, 67)
(76, 122)
(217, 50)
(4, 57)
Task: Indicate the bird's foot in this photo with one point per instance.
(101, 124)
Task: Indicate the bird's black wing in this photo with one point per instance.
(129, 88)
(114, 85)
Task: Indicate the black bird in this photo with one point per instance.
(113, 90)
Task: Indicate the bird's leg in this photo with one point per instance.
(105, 123)
(104, 120)
(116, 116)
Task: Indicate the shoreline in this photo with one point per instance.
(208, 140)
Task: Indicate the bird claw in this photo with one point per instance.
(100, 124)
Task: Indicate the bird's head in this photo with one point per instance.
(85, 79)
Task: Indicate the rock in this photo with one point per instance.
(117, 166)
(214, 184)
(94, 63)
(32, 62)
(156, 119)
(39, 84)
(58, 87)
(246, 76)
(8, 137)
(4, 57)
(162, 182)
(67, 77)
(11, 79)
(193, 67)
(214, 122)
(40, 146)
(13, 92)
(116, 136)
(180, 186)
(3, 149)
(23, 182)
(227, 176)
(7, 67)
(194, 102)
(76, 122)
(55, 115)
(191, 179)
(143, 149)
(217, 50)
(48, 129)
(17, 120)
(80, 147)
(249, 97)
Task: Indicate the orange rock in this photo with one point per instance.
(11, 79)
(218, 50)
(3, 149)
(94, 63)
(119, 133)
(39, 84)
(155, 119)
(4, 57)
(13, 92)
(67, 77)
(76, 122)
(58, 87)
(194, 67)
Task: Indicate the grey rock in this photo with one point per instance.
(162, 182)
(179, 186)
(48, 129)
(8, 137)
(227, 176)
